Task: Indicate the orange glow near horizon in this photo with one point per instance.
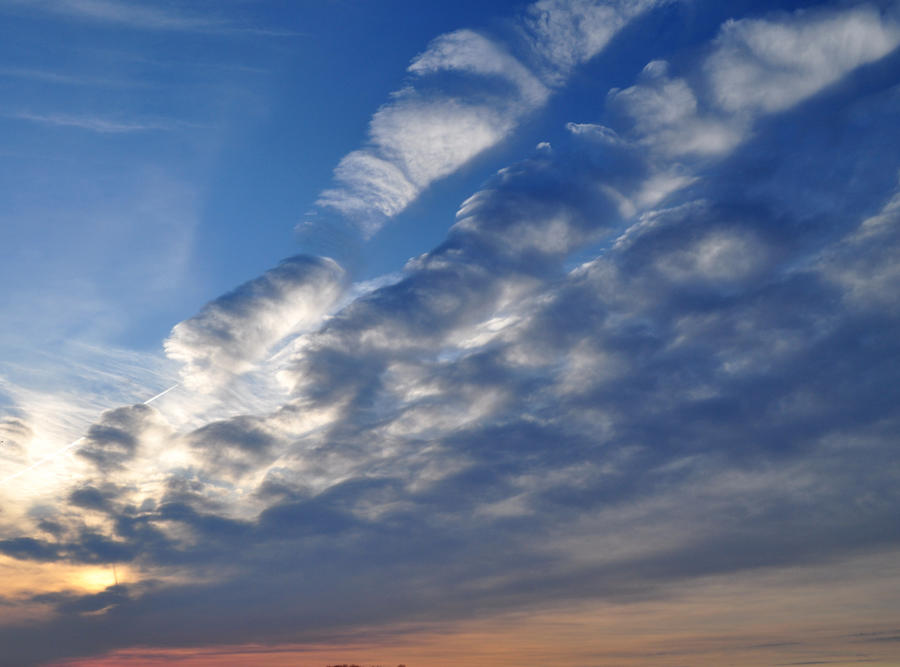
(31, 578)
(829, 614)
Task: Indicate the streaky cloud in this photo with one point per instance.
(100, 124)
(468, 51)
(142, 16)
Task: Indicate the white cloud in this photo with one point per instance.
(757, 67)
(467, 51)
(15, 436)
(718, 257)
(566, 33)
(101, 124)
(665, 102)
(152, 16)
(414, 141)
(427, 133)
(767, 66)
(371, 187)
(423, 135)
(234, 331)
(430, 139)
(865, 265)
(135, 15)
(667, 116)
(594, 131)
(60, 78)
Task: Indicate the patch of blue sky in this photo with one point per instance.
(216, 121)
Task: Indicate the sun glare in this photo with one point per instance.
(96, 579)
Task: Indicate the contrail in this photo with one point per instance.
(160, 394)
(42, 461)
(72, 444)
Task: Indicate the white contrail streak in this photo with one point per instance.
(72, 444)
(160, 394)
(43, 460)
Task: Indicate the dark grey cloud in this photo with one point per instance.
(238, 444)
(90, 497)
(116, 438)
(29, 548)
(68, 603)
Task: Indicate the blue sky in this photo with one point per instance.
(469, 312)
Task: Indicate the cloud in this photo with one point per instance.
(132, 15)
(116, 438)
(666, 116)
(424, 135)
(238, 445)
(469, 52)
(766, 66)
(706, 393)
(429, 140)
(49, 76)
(28, 548)
(864, 265)
(437, 124)
(756, 67)
(145, 16)
(371, 185)
(236, 330)
(101, 125)
(416, 140)
(81, 604)
(567, 33)
(89, 497)
(15, 436)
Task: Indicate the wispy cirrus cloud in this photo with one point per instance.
(61, 78)
(102, 124)
(145, 16)
(131, 14)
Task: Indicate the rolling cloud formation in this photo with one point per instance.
(665, 349)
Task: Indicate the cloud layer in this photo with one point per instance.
(659, 354)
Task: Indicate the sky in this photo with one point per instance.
(441, 334)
